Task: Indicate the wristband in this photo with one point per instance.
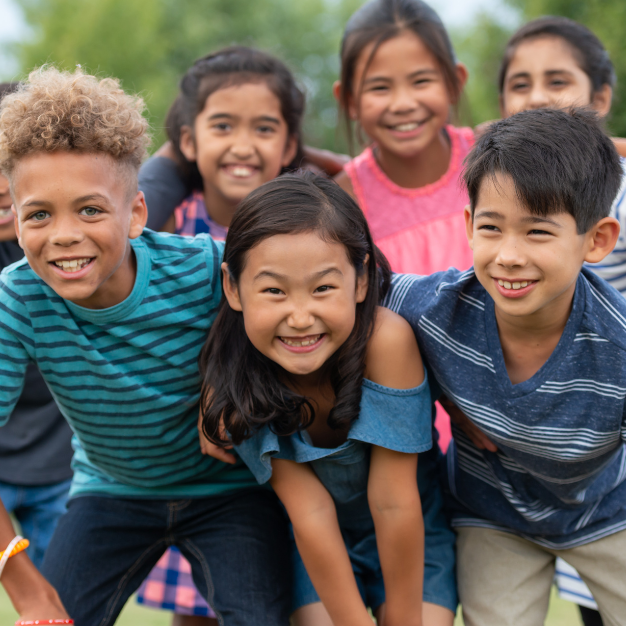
(42, 622)
(15, 547)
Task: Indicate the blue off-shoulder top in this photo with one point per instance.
(396, 419)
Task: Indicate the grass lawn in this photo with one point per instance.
(561, 614)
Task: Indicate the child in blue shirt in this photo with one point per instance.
(115, 317)
(323, 393)
(533, 351)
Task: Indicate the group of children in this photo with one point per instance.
(295, 331)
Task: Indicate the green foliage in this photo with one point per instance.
(149, 44)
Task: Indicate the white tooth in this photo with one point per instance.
(500, 282)
(507, 284)
(516, 285)
(524, 283)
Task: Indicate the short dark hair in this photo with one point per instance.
(243, 387)
(588, 50)
(380, 20)
(558, 160)
(228, 67)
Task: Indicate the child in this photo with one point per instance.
(323, 394)
(532, 349)
(115, 320)
(556, 62)
(235, 125)
(35, 445)
(399, 81)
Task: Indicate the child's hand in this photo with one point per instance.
(43, 610)
(477, 436)
(210, 449)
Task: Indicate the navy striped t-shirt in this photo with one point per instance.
(126, 377)
(558, 477)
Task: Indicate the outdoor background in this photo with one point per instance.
(149, 44)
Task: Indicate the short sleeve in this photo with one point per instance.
(163, 188)
(396, 419)
(257, 452)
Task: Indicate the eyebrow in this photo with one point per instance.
(373, 79)
(529, 219)
(81, 200)
(547, 73)
(317, 275)
(228, 116)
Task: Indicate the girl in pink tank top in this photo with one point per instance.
(399, 83)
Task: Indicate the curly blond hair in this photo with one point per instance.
(57, 110)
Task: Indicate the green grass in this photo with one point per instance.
(561, 614)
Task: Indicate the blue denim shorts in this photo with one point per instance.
(439, 554)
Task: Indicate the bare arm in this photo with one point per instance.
(397, 511)
(316, 529)
(31, 594)
(393, 360)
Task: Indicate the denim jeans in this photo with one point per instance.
(237, 544)
(38, 510)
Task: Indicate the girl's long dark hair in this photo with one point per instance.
(228, 67)
(243, 387)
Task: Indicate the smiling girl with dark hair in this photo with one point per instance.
(323, 393)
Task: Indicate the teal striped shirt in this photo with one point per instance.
(126, 377)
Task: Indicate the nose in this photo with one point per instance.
(538, 98)
(243, 145)
(65, 231)
(300, 317)
(510, 253)
(402, 100)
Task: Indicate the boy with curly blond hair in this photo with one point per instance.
(115, 316)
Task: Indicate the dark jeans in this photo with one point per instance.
(238, 547)
(590, 617)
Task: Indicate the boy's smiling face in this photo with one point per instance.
(75, 216)
(529, 264)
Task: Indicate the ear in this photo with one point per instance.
(187, 143)
(469, 226)
(362, 283)
(461, 75)
(291, 148)
(230, 289)
(601, 239)
(16, 223)
(350, 105)
(138, 216)
(601, 101)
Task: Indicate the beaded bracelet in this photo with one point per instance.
(43, 621)
(15, 547)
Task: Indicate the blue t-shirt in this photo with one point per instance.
(126, 377)
(396, 419)
(558, 477)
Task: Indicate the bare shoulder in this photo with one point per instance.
(343, 180)
(393, 358)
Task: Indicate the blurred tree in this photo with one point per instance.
(149, 44)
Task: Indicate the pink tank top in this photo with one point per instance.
(421, 230)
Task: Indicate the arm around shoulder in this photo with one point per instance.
(393, 357)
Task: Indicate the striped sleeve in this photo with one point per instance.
(16, 334)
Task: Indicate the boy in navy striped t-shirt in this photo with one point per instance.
(115, 317)
(529, 353)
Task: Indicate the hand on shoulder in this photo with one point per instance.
(393, 358)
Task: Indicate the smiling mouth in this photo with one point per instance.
(73, 265)
(516, 284)
(301, 342)
(406, 127)
(241, 171)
